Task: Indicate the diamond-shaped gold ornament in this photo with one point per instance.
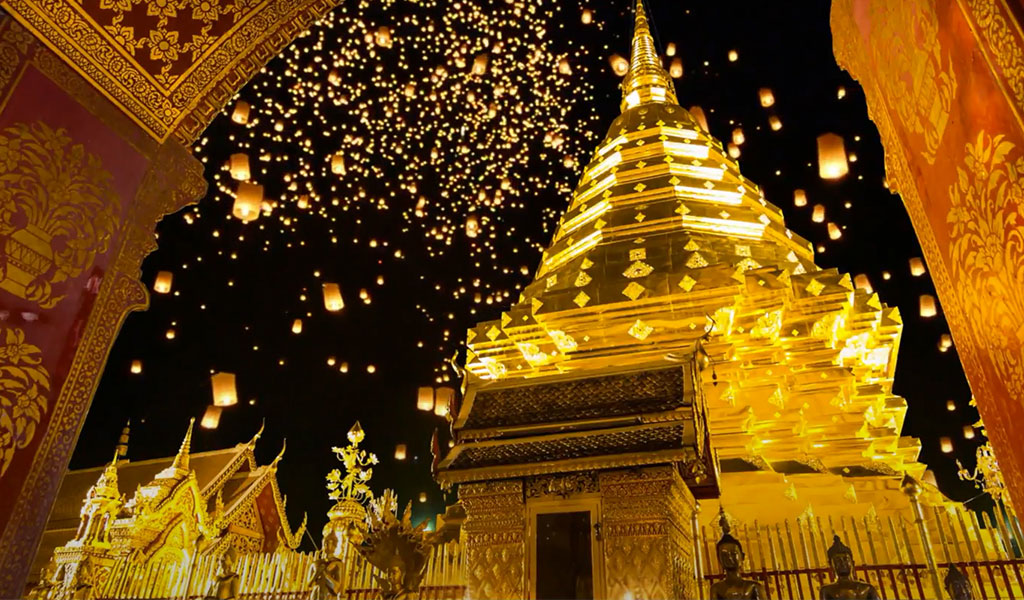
(638, 254)
(493, 333)
(633, 290)
(637, 269)
(581, 299)
(687, 283)
(582, 279)
(640, 330)
(815, 287)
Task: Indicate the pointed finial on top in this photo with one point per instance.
(647, 81)
(122, 442)
(259, 433)
(723, 521)
(181, 459)
(280, 455)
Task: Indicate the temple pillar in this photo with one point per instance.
(94, 152)
(495, 538)
(944, 83)
(647, 536)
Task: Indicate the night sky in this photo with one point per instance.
(503, 148)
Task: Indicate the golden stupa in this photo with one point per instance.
(667, 249)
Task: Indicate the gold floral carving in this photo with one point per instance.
(986, 250)
(173, 75)
(1003, 47)
(495, 530)
(58, 211)
(24, 391)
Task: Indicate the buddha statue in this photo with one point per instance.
(730, 556)
(958, 587)
(225, 585)
(328, 571)
(845, 587)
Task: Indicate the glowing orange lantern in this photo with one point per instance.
(425, 399)
(238, 165)
(862, 282)
(818, 216)
(332, 297)
(766, 96)
(734, 150)
(162, 284)
(675, 69)
(775, 123)
(832, 162)
(297, 326)
(733, 56)
(950, 405)
(587, 17)
(698, 115)
(241, 113)
(833, 231)
(927, 306)
(136, 367)
(480, 64)
(443, 399)
(619, 64)
(737, 136)
(211, 418)
(248, 202)
(799, 198)
(338, 164)
(472, 226)
(946, 444)
(670, 49)
(917, 267)
(400, 452)
(224, 391)
(968, 432)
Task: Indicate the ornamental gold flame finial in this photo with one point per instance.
(181, 459)
(354, 484)
(647, 81)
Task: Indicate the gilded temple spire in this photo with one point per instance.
(122, 442)
(181, 463)
(647, 81)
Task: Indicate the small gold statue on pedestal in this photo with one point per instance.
(225, 586)
(845, 587)
(328, 571)
(730, 556)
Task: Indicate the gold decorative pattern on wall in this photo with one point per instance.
(495, 531)
(24, 392)
(987, 248)
(57, 211)
(169, 64)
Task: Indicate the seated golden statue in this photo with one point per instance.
(957, 585)
(845, 587)
(328, 572)
(730, 556)
(225, 585)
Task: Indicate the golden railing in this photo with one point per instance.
(790, 558)
(277, 576)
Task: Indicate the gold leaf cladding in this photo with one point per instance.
(493, 333)
(696, 261)
(633, 290)
(692, 246)
(640, 330)
(581, 299)
(535, 304)
(638, 269)
(582, 279)
(814, 287)
(682, 210)
(40, 168)
(687, 283)
(24, 385)
(551, 282)
(638, 254)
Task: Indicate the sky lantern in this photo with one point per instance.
(832, 162)
(841, 92)
(927, 306)
(670, 49)
(833, 231)
(968, 432)
(224, 391)
(945, 342)
(136, 367)
(383, 36)
(480, 64)
(950, 405)
(775, 122)
(862, 282)
(240, 114)
(425, 399)
(619, 64)
(675, 69)
(400, 452)
(332, 297)
(818, 215)
(297, 326)
(162, 283)
(472, 226)
(946, 444)
(917, 267)
(698, 115)
(211, 418)
(338, 163)
(423, 497)
(170, 334)
(734, 56)
(734, 150)
(334, 78)
(238, 165)
(248, 202)
(766, 96)
(443, 399)
(564, 67)
(587, 17)
(799, 198)
(737, 136)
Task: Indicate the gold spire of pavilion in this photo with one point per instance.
(647, 81)
(180, 466)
